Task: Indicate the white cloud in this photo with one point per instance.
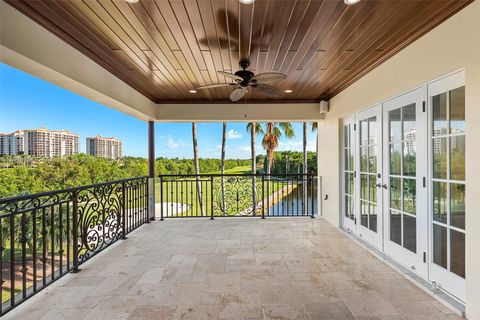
(233, 134)
(296, 145)
(172, 144)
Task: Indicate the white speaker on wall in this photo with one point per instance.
(324, 106)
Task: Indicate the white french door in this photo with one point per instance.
(348, 176)
(369, 175)
(447, 175)
(405, 208)
(403, 175)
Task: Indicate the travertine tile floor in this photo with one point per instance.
(234, 268)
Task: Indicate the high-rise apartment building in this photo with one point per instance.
(110, 148)
(49, 143)
(11, 143)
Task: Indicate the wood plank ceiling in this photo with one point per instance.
(165, 48)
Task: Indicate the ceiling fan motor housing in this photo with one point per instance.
(246, 76)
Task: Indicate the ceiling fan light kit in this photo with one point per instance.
(350, 2)
(247, 1)
(243, 79)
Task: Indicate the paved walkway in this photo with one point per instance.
(234, 268)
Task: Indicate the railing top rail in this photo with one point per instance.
(239, 175)
(54, 192)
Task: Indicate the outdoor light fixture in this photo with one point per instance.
(288, 91)
(247, 1)
(192, 91)
(350, 2)
(131, 1)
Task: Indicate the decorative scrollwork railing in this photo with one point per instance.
(216, 195)
(44, 236)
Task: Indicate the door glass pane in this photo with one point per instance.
(396, 226)
(347, 183)
(364, 132)
(395, 158)
(364, 186)
(351, 163)
(457, 158)
(372, 131)
(439, 106)
(347, 206)
(372, 155)
(373, 218)
(364, 159)
(372, 188)
(346, 158)
(457, 205)
(440, 158)
(409, 158)
(352, 208)
(409, 196)
(457, 110)
(410, 233)
(346, 136)
(395, 193)
(457, 253)
(440, 201)
(364, 213)
(409, 122)
(440, 245)
(395, 119)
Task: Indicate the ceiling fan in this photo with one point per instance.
(245, 78)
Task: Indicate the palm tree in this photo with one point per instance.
(274, 131)
(197, 165)
(254, 128)
(222, 163)
(305, 167)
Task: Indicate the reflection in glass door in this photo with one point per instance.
(447, 145)
(369, 151)
(405, 195)
(349, 143)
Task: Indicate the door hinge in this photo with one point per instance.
(424, 182)
(354, 127)
(423, 106)
(424, 257)
(355, 220)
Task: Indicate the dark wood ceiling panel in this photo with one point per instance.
(164, 48)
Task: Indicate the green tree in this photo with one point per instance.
(274, 131)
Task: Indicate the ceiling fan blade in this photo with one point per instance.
(230, 75)
(268, 89)
(269, 77)
(218, 85)
(238, 94)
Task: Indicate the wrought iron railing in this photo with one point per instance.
(44, 236)
(216, 195)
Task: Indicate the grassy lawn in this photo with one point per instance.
(238, 193)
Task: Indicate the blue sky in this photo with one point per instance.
(27, 102)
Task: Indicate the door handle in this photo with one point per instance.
(379, 185)
(385, 186)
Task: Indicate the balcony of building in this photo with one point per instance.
(385, 230)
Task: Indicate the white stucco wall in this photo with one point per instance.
(453, 45)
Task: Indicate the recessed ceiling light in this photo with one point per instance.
(350, 2)
(288, 91)
(192, 91)
(131, 1)
(247, 1)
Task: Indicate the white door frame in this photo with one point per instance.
(347, 223)
(416, 261)
(372, 237)
(443, 278)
